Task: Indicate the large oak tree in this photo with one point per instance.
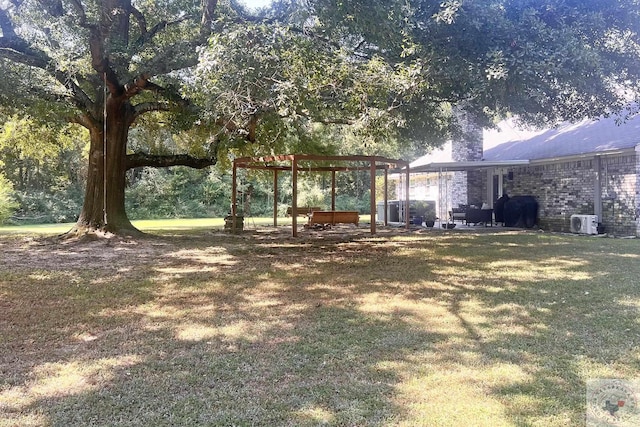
(95, 62)
(395, 67)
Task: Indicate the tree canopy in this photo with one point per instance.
(213, 78)
(544, 60)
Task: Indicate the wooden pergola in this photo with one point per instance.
(317, 163)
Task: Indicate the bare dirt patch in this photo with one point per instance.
(35, 253)
(52, 253)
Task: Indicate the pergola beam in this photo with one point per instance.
(314, 157)
(310, 168)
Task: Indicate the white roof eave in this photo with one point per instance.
(466, 166)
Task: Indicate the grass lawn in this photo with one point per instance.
(144, 225)
(150, 225)
(197, 327)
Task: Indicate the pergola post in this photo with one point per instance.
(275, 198)
(372, 169)
(386, 196)
(333, 190)
(408, 199)
(294, 201)
(234, 197)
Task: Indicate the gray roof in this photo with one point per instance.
(570, 139)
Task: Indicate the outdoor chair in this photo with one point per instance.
(479, 216)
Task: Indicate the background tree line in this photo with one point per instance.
(42, 180)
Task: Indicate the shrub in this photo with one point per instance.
(49, 206)
(8, 205)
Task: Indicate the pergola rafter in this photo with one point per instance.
(320, 163)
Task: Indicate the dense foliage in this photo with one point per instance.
(159, 84)
(45, 165)
(7, 202)
(45, 181)
(187, 193)
(543, 60)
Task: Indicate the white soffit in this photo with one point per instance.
(466, 166)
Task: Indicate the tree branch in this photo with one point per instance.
(83, 120)
(146, 36)
(54, 7)
(15, 49)
(147, 107)
(40, 60)
(82, 14)
(137, 85)
(137, 160)
(334, 121)
(6, 26)
(324, 121)
(142, 22)
(208, 12)
(247, 132)
(173, 58)
(168, 93)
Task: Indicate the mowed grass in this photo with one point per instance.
(198, 327)
(150, 225)
(144, 225)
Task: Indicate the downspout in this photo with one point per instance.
(597, 187)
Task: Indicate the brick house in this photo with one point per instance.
(590, 167)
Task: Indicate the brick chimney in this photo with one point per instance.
(466, 147)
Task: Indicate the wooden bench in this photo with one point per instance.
(303, 211)
(334, 217)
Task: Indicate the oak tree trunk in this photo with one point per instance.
(104, 202)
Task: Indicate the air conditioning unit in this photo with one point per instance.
(584, 224)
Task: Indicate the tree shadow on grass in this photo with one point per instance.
(562, 312)
(210, 345)
(327, 368)
(343, 330)
(545, 313)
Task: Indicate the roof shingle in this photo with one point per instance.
(569, 139)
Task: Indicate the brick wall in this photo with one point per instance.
(567, 188)
(637, 213)
(619, 189)
(477, 187)
(459, 189)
